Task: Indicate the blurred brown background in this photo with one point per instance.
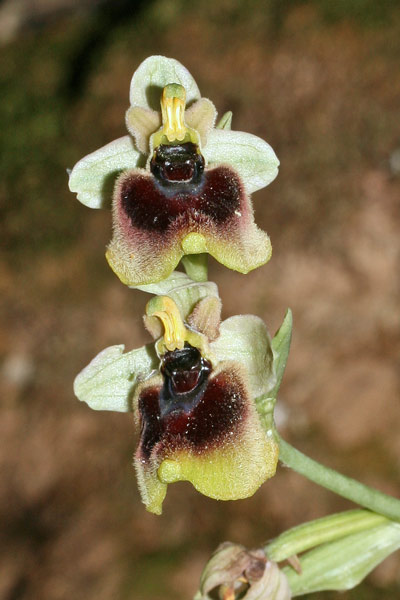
(320, 80)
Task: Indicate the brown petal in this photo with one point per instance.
(201, 117)
(206, 317)
(141, 124)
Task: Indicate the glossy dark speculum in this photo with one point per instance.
(185, 373)
(177, 164)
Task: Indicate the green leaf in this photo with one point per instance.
(314, 533)
(343, 564)
(249, 155)
(93, 177)
(155, 73)
(183, 290)
(108, 381)
(245, 339)
(281, 346)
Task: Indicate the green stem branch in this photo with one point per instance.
(340, 484)
(196, 266)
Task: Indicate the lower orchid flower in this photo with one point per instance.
(184, 186)
(194, 395)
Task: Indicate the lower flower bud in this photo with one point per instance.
(234, 572)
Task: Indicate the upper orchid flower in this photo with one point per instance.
(184, 186)
(196, 395)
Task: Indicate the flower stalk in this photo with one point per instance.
(342, 485)
(196, 266)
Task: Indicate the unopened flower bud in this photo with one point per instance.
(234, 572)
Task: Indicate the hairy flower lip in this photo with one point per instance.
(211, 434)
(216, 441)
(151, 227)
(183, 415)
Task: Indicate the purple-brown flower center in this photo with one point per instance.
(153, 207)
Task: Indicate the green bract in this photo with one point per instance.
(343, 563)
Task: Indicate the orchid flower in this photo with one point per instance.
(181, 184)
(195, 394)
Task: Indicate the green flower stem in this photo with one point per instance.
(196, 266)
(340, 484)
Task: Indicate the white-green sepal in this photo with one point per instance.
(254, 159)
(153, 75)
(184, 291)
(245, 340)
(93, 176)
(108, 381)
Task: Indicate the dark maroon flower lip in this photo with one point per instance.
(199, 418)
(151, 207)
(153, 223)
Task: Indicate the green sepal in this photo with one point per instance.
(93, 177)
(108, 381)
(245, 340)
(252, 158)
(182, 289)
(153, 74)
